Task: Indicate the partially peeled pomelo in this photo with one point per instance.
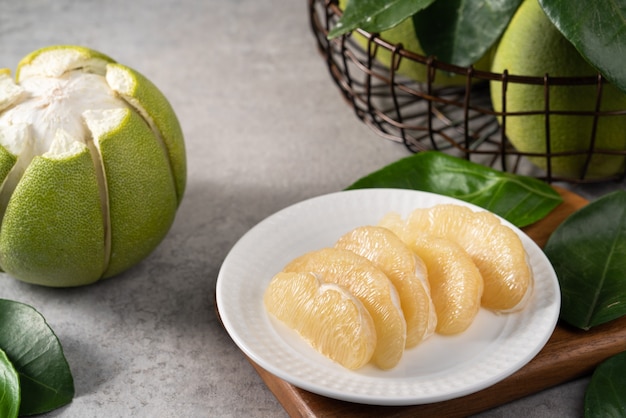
(92, 165)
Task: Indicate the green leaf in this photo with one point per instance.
(605, 396)
(45, 379)
(588, 252)
(598, 31)
(375, 16)
(9, 388)
(460, 32)
(521, 200)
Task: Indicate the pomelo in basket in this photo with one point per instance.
(532, 46)
(404, 33)
(92, 165)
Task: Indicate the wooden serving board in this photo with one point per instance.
(570, 353)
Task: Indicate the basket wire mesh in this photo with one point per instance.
(459, 120)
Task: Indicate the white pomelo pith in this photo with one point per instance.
(92, 176)
(9, 91)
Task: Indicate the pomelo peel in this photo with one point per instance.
(532, 46)
(93, 169)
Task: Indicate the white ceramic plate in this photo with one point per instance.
(441, 368)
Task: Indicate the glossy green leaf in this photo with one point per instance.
(588, 252)
(460, 32)
(521, 200)
(375, 16)
(9, 388)
(598, 31)
(605, 396)
(45, 378)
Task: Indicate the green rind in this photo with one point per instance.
(144, 96)
(52, 232)
(532, 46)
(7, 161)
(142, 195)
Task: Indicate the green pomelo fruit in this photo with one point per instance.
(404, 33)
(533, 46)
(93, 168)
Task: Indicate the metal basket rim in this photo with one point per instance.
(432, 61)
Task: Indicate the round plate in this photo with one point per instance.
(441, 368)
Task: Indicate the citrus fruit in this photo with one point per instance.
(326, 315)
(92, 163)
(495, 248)
(404, 34)
(455, 282)
(406, 271)
(532, 46)
(371, 286)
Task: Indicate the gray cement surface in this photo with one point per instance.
(265, 128)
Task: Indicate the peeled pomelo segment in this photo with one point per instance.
(139, 188)
(55, 61)
(10, 92)
(371, 286)
(64, 228)
(326, 315)
(141, 94)
(495, 248)
(406, 271)
(396, 224)
(503, 263)
(455, 282)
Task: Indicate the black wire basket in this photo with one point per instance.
(460, 119)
